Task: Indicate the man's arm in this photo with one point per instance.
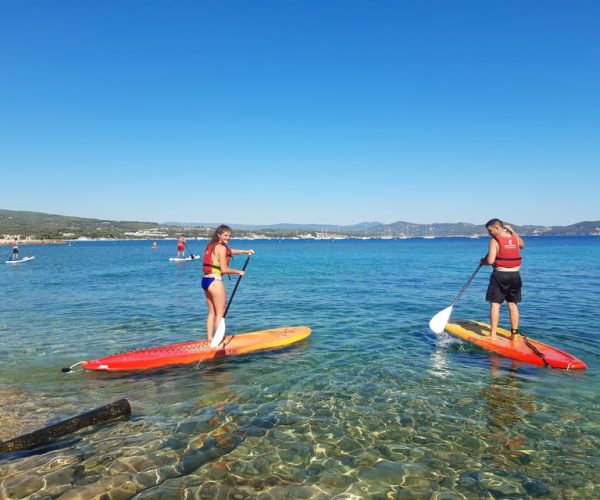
(490, 258)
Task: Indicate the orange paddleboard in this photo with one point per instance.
(192, 352)
(520, 349)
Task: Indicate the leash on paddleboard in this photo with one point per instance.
(69, 369)
(536, 351)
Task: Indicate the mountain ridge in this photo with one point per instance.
(40, 225)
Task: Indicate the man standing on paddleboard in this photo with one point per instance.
(181, 247)
(505, 282)
(15, 249)
(215, 264)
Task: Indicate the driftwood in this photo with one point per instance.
(106, 413)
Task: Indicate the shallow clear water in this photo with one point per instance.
(372, 405)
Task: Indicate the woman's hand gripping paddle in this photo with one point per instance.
(439, 321)
(220, 333)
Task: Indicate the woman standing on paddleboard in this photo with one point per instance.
(505, 281)
(215, 264)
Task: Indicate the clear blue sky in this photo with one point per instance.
(334, 112)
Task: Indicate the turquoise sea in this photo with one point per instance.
(372, 405)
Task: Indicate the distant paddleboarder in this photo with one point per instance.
(15, 249)
(181, 247)
(215, 264)
(505, 282)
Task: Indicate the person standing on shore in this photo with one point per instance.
(215, 264)
(505, 282)
(181, 246)
(15, 249)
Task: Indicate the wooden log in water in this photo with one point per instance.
(106, 413)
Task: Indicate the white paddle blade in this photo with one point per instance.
(439, 321)
(219, 334)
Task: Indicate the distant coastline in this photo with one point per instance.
(33, 242)
(26, 242)
(42, 228)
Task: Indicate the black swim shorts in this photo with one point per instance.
(504, 285)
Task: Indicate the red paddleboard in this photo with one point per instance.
(520, 348)
(192, 352)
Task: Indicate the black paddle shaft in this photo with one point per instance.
(462, 290)
(188, 249)
(236, 286)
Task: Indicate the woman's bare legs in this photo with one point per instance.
(215, 299)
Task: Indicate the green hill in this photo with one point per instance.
(48, 226)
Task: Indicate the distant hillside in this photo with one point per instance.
(411, 229)
(283, 226)
(47, 226)
(579, 229)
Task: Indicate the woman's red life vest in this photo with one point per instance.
(208, 265)
(508, 255)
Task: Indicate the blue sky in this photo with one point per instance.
(331, 112)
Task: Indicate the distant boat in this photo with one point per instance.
(387, 235)
(429, 236)
(474, 237)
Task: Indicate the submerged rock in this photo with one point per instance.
(537, 488)
(383, 472)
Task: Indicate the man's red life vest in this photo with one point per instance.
(508, 255)
(208, 265)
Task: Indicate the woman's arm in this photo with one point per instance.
(221, 254)
(241, 252)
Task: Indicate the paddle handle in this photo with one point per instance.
(236, 286)
(462, 290)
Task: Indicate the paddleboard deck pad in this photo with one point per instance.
(521, 348)
(198, 351)
(183, 259)
(24, 259)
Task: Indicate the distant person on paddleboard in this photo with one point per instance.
(505, 282)
(15, 249)
(215, 264)
(181, 247)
